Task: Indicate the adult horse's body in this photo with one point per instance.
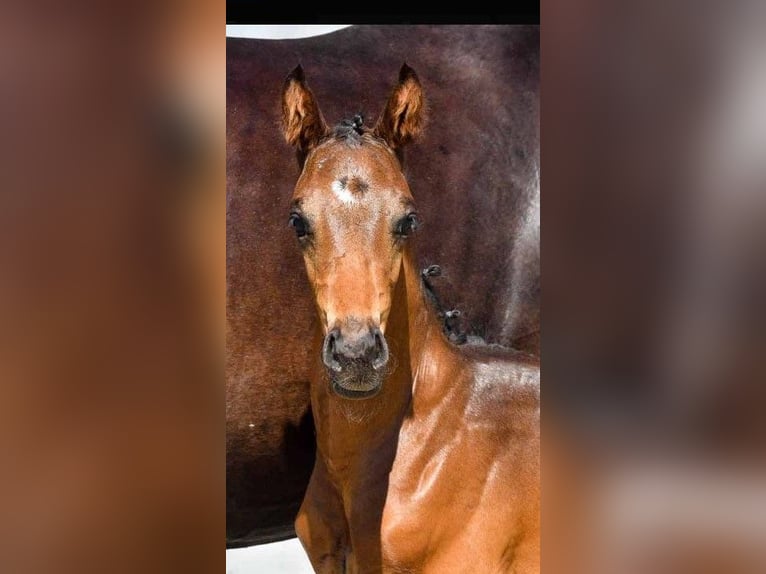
(428, 453)
(476, 173)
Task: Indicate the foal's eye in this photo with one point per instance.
(299, 223)
(406, 225)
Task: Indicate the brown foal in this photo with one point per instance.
(427, 454)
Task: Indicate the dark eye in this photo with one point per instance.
(299, 223)
(406, 225)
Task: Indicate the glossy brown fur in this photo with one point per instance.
(438, 472)
(473, 175)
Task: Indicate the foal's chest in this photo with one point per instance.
(444, 510)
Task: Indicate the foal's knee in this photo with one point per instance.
(323, 546)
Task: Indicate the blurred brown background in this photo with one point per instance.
(111, 290)
(653, 267)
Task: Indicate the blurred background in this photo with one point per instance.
(112, 253)
(654, 275)
(111, 290)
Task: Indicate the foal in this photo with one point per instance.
(427, 454)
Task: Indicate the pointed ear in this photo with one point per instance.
(405, 113)
(302, 121)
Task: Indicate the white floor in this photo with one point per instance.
(286, 557)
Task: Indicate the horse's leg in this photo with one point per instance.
(321, 524)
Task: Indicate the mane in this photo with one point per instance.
(354, 133)
(350, 131)
(449, 318)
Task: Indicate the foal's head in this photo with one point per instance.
(352, 211)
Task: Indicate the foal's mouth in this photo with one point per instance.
(356, 379)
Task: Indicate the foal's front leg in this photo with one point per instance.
(321, 524)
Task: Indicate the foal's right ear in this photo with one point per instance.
(302, 121)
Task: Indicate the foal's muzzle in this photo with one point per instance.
(355, 346)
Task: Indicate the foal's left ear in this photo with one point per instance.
(405, 114)
(302, 122)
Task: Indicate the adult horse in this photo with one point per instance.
(427, 453)
(477, 169)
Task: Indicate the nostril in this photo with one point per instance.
(381, 351)
(328, 351)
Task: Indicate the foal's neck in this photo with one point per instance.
(349, 430)
(431, 356)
